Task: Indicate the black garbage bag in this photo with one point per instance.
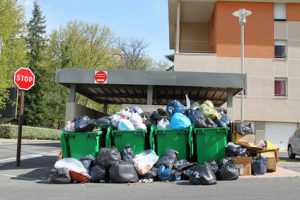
(174, 107)
(235, 150)
(152, 174)
(210, 123)
(200, 123)
(194, 115)
(226, 120)
(146, 115)
(161, 113)
(182, 168)
(83, 126)
(88, 162)
(219, 123)
(214, 165)
(104, 122)
(258, 165)
(98, 174)
(85, 117)
(222, 111)
(243, 128)
(107, 156)
(127, 154)
(169, 158)
(60, 175)
(123, 172)
(227, 169)
(203, 175)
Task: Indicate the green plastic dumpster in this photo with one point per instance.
(77, 145)
(210, 143)
(176, 139)
(119, 139)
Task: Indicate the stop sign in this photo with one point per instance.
(24, 78)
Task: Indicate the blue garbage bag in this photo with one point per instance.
(179, 121)
(165, 174)
(174, 107)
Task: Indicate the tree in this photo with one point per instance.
(82, 45)
(170, 57)
(77, 45)
(35, 110)
(132, 54)
(12, 51)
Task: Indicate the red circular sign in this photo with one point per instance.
(101, 77)
(24, 78)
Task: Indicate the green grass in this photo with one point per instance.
(296, 161)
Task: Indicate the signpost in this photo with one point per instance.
(24, 80)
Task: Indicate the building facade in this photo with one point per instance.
(206, 37)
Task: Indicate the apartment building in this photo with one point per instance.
(206, 37)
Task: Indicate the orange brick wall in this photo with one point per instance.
(293, 12)
(259, 30)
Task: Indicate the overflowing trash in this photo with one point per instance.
(132, 162)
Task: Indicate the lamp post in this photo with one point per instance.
(1, 42)
(242, 14)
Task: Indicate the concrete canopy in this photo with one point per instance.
(152, 87)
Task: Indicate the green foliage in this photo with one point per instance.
(82, 45)
(11, 132)
(170, 57)
(35, 110)
(13, 51)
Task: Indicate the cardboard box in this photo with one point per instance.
(247, 139)
(243, 164)
(272, 159)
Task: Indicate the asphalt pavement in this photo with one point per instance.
(30, 180)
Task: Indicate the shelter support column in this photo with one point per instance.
(229, 97)
(105, 108)
(72, 93)
(149, 94)
(177, 27)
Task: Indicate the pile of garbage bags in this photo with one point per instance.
(174, 116)
(125, 167)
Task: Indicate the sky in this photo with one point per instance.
(128, 19)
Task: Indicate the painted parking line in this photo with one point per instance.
(7, 160)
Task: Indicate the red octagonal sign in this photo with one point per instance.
(24, 78)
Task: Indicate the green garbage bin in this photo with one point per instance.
(119, 139)
(176, 139)
(77, 145)
(210, 143)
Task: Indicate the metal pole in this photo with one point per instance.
(0, 45)
(20, 129)
(242, 64)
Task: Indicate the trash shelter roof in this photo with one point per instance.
(133, 86)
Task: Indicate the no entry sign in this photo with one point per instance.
(24, 78)
(100, 77)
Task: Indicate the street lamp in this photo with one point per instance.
(1, 42)
(242, 14)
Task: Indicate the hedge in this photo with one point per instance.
(28, 132)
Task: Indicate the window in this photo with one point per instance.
(280, 88)
(280, 49)
(279, 12)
